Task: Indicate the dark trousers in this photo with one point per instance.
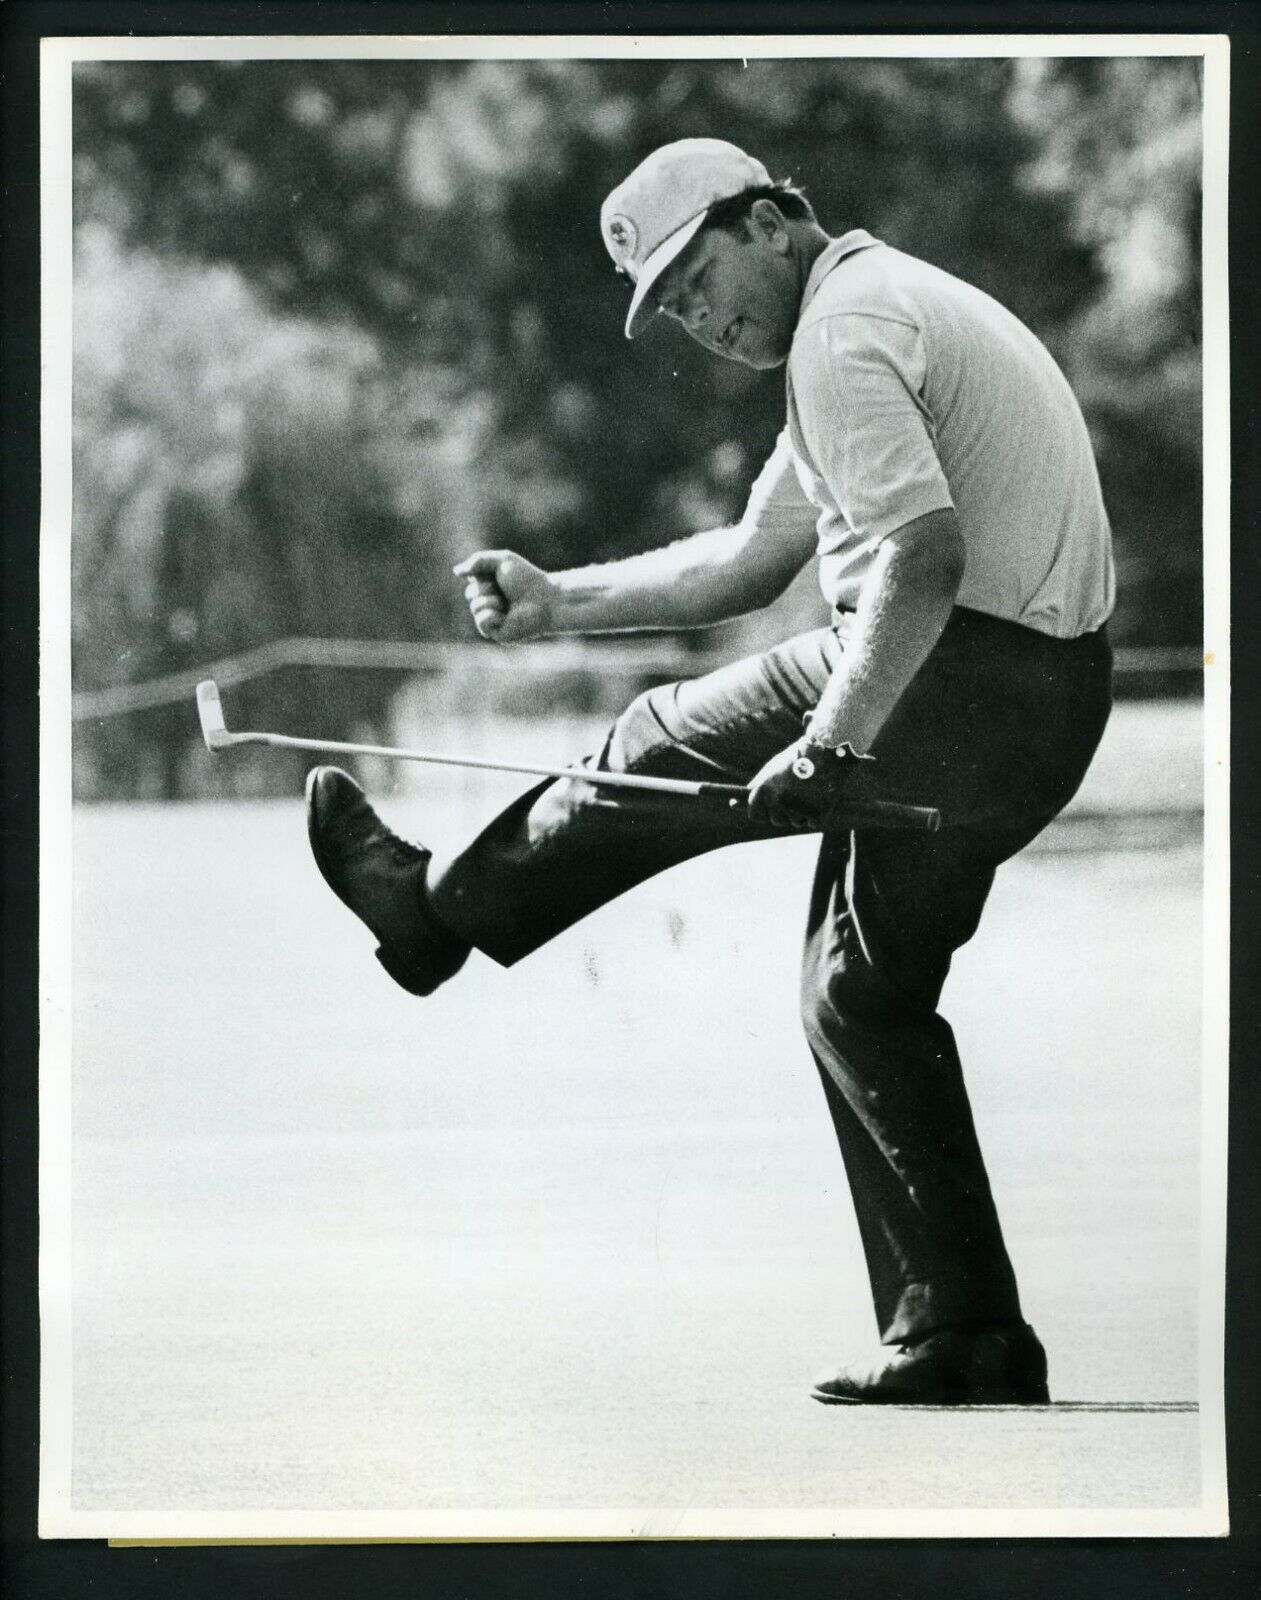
(997, 729)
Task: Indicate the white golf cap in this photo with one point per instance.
(653, 215)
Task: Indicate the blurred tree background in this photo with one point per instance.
(337, 323)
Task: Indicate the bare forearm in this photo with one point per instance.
(904, 606)
(685, 585)
(690, 584)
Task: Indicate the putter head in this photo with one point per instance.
(213, 728)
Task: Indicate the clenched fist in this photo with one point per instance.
(510, 598)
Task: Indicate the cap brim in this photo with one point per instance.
(641, 308)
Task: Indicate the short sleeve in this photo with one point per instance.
(856, 380)
(777, 499)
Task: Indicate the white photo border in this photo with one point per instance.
(57, 1516)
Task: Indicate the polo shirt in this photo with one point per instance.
(910, 391)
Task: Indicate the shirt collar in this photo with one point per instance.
(832, 255)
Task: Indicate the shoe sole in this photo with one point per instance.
(984, 1397)
(392, 966)
(313, 836)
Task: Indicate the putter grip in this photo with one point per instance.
(852, 814)
(886, 814)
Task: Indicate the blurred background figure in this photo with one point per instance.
(339, 323)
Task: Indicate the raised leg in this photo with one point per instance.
(566, 847)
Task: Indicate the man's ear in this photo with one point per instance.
(766, 222)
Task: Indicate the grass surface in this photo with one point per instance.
(577, 1235)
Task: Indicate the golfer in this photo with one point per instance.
(935, 463)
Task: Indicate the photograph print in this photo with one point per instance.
(632, 639)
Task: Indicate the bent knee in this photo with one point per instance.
(851, 993)
(641, 738)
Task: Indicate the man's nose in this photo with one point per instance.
(696, 316)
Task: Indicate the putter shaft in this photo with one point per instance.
(873, 813)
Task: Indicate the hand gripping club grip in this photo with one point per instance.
(850, 813)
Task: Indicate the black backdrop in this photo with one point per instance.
(893, 1569)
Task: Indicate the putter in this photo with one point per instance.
(860, 813)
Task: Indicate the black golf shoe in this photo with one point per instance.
(992, 1366)
(382, 879)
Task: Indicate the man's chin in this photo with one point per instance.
(749, 355)
(764, 361)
